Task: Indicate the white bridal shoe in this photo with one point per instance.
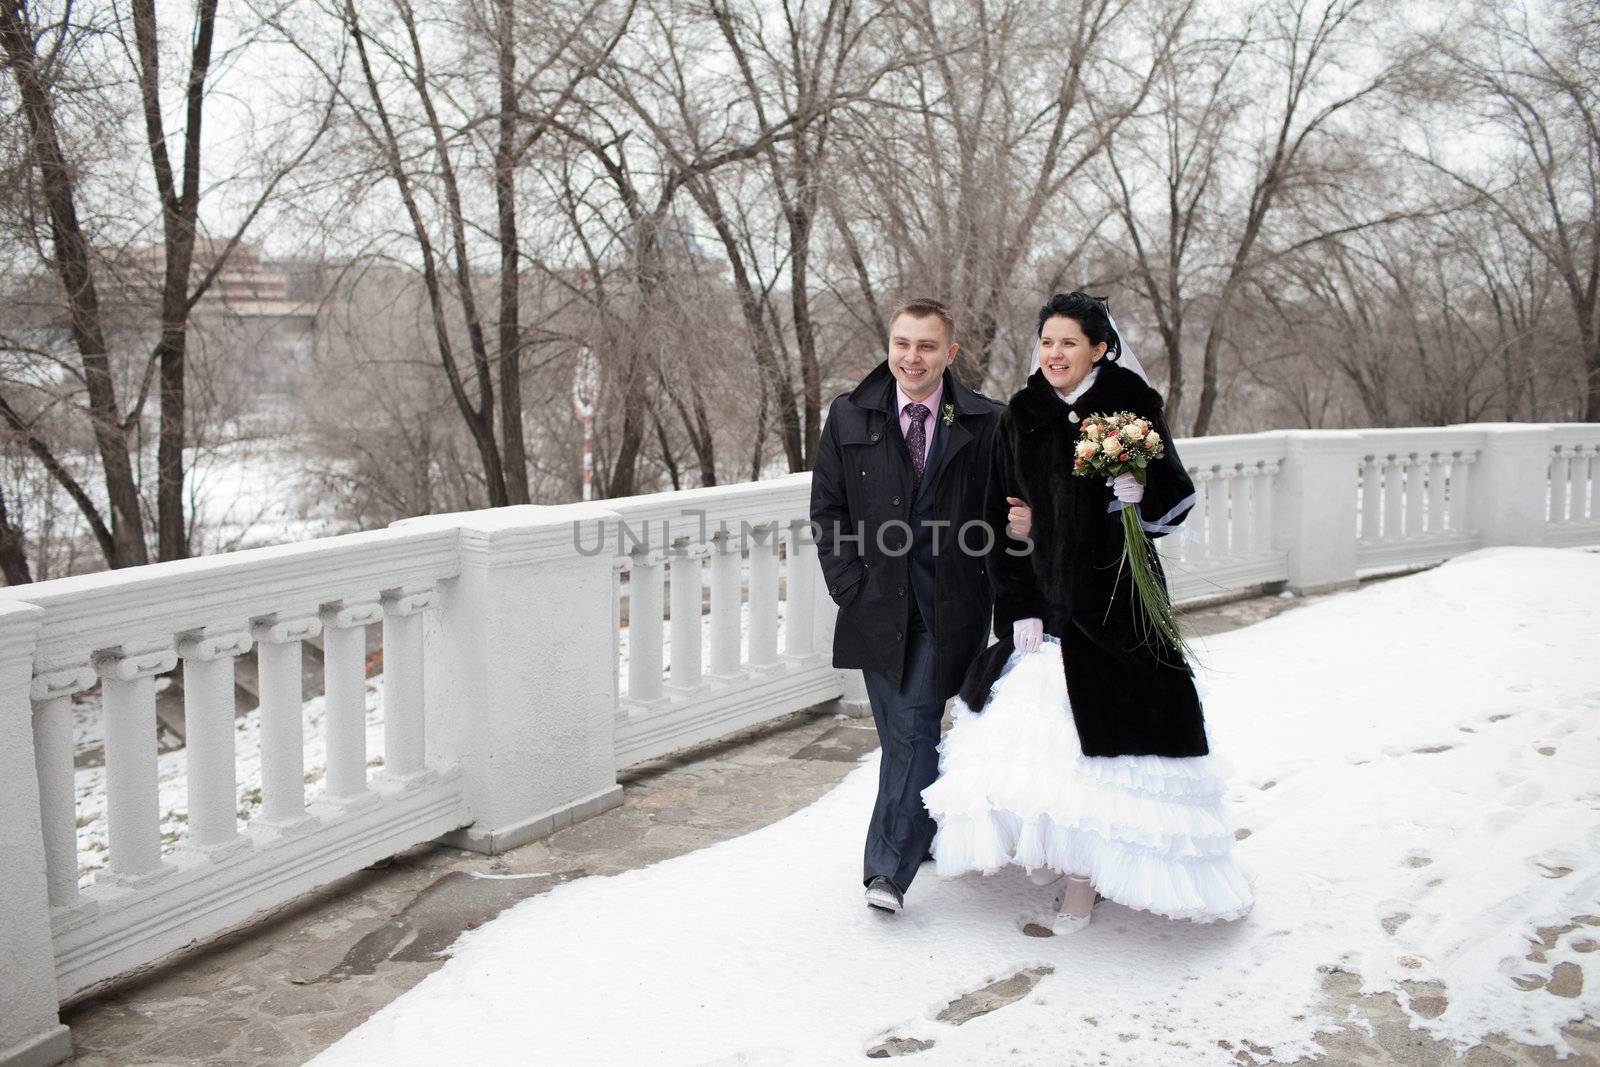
(1043, 876)
(1077, 905)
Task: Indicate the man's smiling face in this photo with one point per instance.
(919, 351)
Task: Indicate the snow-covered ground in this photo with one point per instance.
(1424, 748)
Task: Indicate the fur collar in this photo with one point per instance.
(1115, 388)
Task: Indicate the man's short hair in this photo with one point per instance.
(922, 308)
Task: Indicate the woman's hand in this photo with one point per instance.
(1126, 488)
(1019, 520)
(1026, 634)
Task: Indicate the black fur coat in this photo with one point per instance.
(1126, 700)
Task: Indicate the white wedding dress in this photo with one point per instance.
(1015, 787)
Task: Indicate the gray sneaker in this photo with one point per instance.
(885, 895)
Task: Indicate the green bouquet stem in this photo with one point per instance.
(1154, 619)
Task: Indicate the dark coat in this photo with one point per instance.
(861, 493)
(1126, 700)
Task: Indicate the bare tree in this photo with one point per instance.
(694, 129)
(1533, 75)
(41, 78)
(1246, 128)
(819, 63)
(978, 171)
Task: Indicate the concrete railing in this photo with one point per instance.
(530, 652)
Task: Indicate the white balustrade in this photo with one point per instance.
(687, 579)
(404, 727)
(754, 610)
(1460, 482)
(128, 627)
(1197, 526)
(344, 672)
(1591, 495)
(133, 815)
(1261, 496)
(1414, 496)
(1418, 469)
(53, 746)
(280, 666)
(1560, 484)
(1214, 487)
(1573, 509)
(727, 574)
(1224, 546)
(763, 624)
(1371, 499)
(801, 571)
(208, 714)
(1394, 492)
(1437, 479)
(30, 1023)
(644, 626)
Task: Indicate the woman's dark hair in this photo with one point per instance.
(1091, 315)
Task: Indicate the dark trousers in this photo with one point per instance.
(908, 728)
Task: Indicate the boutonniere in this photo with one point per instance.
(949, 414)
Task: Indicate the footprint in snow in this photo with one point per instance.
(963, 1009)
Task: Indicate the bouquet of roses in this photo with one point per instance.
(1124, 443)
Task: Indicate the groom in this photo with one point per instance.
(897, 501)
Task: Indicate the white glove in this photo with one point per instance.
(1126, 488)
(1026, 634)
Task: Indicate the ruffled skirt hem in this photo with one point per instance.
(1015, 788)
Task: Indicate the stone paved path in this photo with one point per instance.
(281, 991)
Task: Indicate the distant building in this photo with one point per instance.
(263, 310)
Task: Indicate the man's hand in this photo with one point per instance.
(1026, 634)
(1019, 520)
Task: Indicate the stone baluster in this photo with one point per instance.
(1591, 486)
(1371, 498)
(1460, 490)
(344, 685)
(1560, 479)
(279, 659)
(1237, 527)
(800, 579)
(763, 624)
(1436, 501)
(727, 567)
(1418, 467)
(53, 754)
(404, 734)
(687, 578)
(1217, 507)
(1197, 521)
(1263, 485)
(133, 816)
(644, 627)
(208, 714)
(1394, 494)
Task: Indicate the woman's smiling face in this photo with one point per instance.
(1065, 354)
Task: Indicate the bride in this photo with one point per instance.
(1078, 749)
